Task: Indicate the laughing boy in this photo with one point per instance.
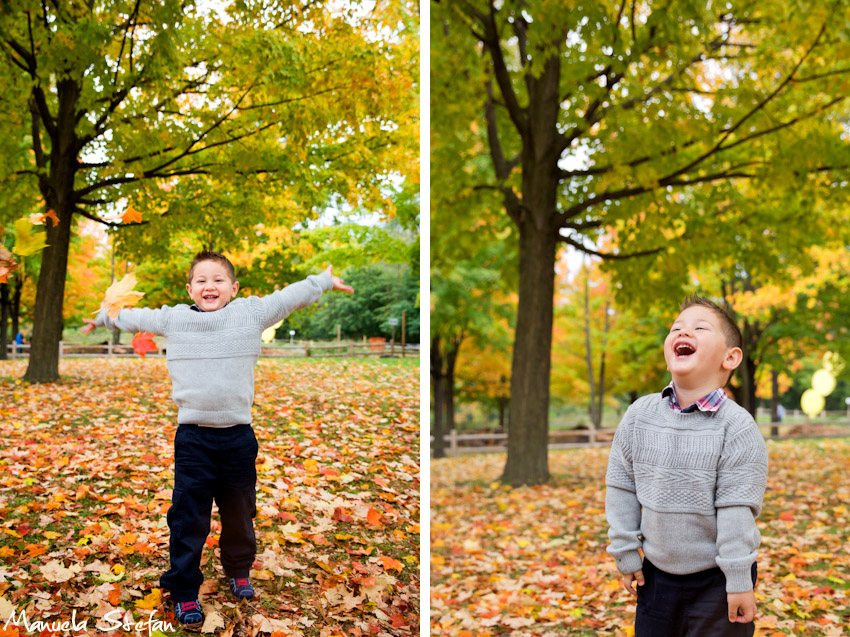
(213, 347)
(685, 483)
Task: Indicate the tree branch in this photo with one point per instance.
(503, 78)
(499, 163)
(607, 255)
(777, 90)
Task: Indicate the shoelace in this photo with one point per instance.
(243, 582)
(184, 606)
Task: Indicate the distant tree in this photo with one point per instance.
(381, 292)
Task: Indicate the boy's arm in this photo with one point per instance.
(622, 507)
(281, 303)
(130, 320)
(741, 481)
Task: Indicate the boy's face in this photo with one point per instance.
(696, 348)
(211, 288)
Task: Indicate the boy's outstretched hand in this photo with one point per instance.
(338, 284)
(89, 326)
(742, 606)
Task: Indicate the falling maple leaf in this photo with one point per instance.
(40, 218)
(143, 343)
(120, 295)
(131, 215)
(28, 242)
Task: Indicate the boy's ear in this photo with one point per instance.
(734, 356)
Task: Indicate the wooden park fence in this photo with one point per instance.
(305, 349)
(456, 443)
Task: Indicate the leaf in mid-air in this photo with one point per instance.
(143, 343)
(40, 218)
(131, 215)
(120, 295)
(28, 242)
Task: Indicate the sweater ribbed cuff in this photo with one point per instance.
(739, 578)
(629, 562)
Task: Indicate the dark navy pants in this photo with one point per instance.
(211, 464)
(691, 605)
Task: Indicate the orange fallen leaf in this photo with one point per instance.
(114, 596)
(389, 563)
(374, 518)
(35, 549)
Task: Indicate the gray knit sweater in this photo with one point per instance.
(686, 488)
(211, 355)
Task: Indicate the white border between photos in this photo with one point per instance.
(424, 317)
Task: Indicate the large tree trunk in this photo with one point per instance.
(528, 433)
(439, 407)
(58, 192)
(50, 293)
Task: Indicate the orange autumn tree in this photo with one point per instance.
(89, 273)
(483, 371)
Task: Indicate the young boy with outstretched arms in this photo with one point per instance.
(212, 349)
(685, 483)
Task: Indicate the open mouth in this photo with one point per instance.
(683, 349)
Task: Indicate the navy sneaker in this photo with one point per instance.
(189, 614)
(241, 587)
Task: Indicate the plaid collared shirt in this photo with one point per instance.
(711, 402)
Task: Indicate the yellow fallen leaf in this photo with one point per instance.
(151, 600)
(120, 295)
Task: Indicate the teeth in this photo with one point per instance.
(683, 349)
